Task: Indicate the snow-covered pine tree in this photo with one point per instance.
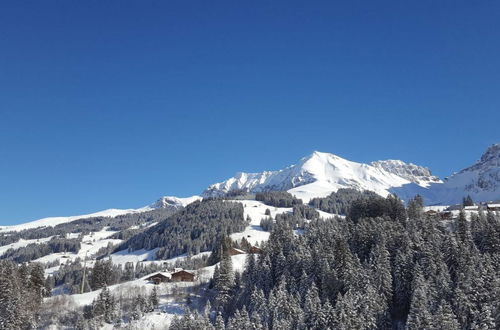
(224, 283)
(153, 299)
(419, 316)
(444, 318)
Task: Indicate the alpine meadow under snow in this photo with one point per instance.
(326, 243)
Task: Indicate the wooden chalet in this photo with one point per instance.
(234, 251)
(159, 277)
(182, 276)
(446, 215)
(456, 207)
(493, 207)
(255, 249)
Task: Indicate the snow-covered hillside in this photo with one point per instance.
(481, 181)
(256, 211)
(54, 221)
(166, 202)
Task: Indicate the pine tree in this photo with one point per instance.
(485, 320)
(219, 322)
(346, 315)
(415, 208)
(282, 306)
(463, 231)
(381, 271)
(312, 308)
(37, 281)
(258, 307)
(224, 283)
(467, 201)
(153, 299)
(9, 297)
(419, 316)
(444, 318)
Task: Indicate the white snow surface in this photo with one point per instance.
(170, 304)
(22, 243)
(124, 256)
(90, 245)
(256, 211)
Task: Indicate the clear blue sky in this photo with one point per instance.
(115, 103)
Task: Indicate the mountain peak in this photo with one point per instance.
(173, 202)
(318, 174)
(322, 156)
(492, 153)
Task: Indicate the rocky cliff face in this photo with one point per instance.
(411, 172)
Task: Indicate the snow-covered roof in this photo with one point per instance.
(165, 274)
(494, 205)
(182, 271)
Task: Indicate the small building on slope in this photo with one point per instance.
(182, 276)
(234, 251)
(160, 277)
(493, 207)
(255, 249)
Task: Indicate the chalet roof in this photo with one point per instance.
(182, 271)
(493, 205)
(472, 207)
(238, 250)
(158, 274)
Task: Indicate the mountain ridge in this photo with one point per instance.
(319, 174)
(324, 173)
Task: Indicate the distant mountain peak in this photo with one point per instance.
(491, 154)
(173, 202)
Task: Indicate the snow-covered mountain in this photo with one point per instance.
(481, 181)
(173, 202)
(321, 173)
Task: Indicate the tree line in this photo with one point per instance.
(390, 267)
(193, 230)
